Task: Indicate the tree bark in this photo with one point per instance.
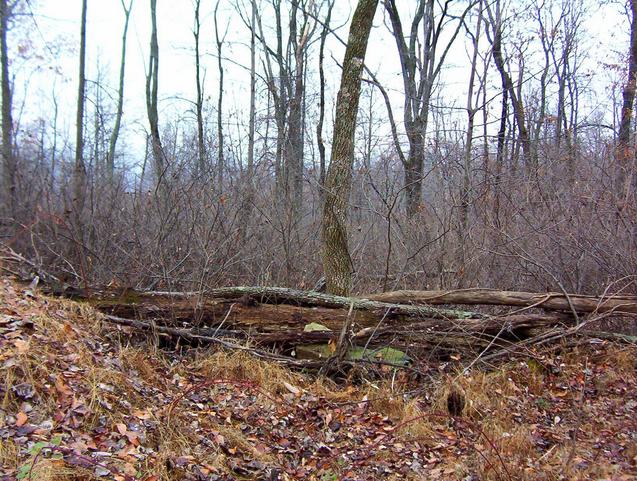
(8, 159)
(625, 151)
(337, 262)
(549, 301)
(79, 174)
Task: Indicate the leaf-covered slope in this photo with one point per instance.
(81, 401)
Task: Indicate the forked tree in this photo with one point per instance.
(422, 51)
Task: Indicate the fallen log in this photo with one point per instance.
(283, 295)
(554, 301)
(253, 317)
(283, 325)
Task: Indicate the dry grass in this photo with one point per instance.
(495, 437)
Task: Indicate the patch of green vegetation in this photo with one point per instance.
(543, 404)
(329, 476)
(324, 351)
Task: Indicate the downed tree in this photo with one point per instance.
(284, 295)
(278, 317)
(553, 301)
(277, 309)
(278, 323)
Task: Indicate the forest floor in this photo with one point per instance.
(83, 400)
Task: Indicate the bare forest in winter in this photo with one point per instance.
(499, 151)
(318, 240)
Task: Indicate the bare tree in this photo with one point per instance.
(286, 85)
(468, 153)
(420, 71)
(494, 33)
(152, 81)
(201, 143)
(219, 39)
(319, 126)
(79, 177)
(110, 159)
(248, 197)
(337, 263)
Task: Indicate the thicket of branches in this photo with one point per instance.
(519, 189)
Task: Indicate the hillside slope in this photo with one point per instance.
(82, 400)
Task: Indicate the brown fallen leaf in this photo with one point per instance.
(293, 389)
(21, 346)
(121, 428)
(21, 419)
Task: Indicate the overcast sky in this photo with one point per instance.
(56, 34)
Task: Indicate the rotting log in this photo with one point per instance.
(283, 295)
(554, 301)
(283, 324)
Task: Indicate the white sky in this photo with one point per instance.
(58, 26)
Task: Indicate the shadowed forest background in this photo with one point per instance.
(518, 175)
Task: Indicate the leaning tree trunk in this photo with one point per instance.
(152, 81)
(625, 149)
(337, 263)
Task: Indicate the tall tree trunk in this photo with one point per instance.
(79, 175)
(319, 125)
(8, 160)
(152, 81)
(79, 172)
(294, 142)
(500, 154)
(337, 262)
(201, 143)
(110, 159)
(293, 146)
(625, 151)
(249, 181)
(220, 145)
(252, 120)
(466, 174)
(421, 59)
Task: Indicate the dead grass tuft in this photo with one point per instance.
(242, 367)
